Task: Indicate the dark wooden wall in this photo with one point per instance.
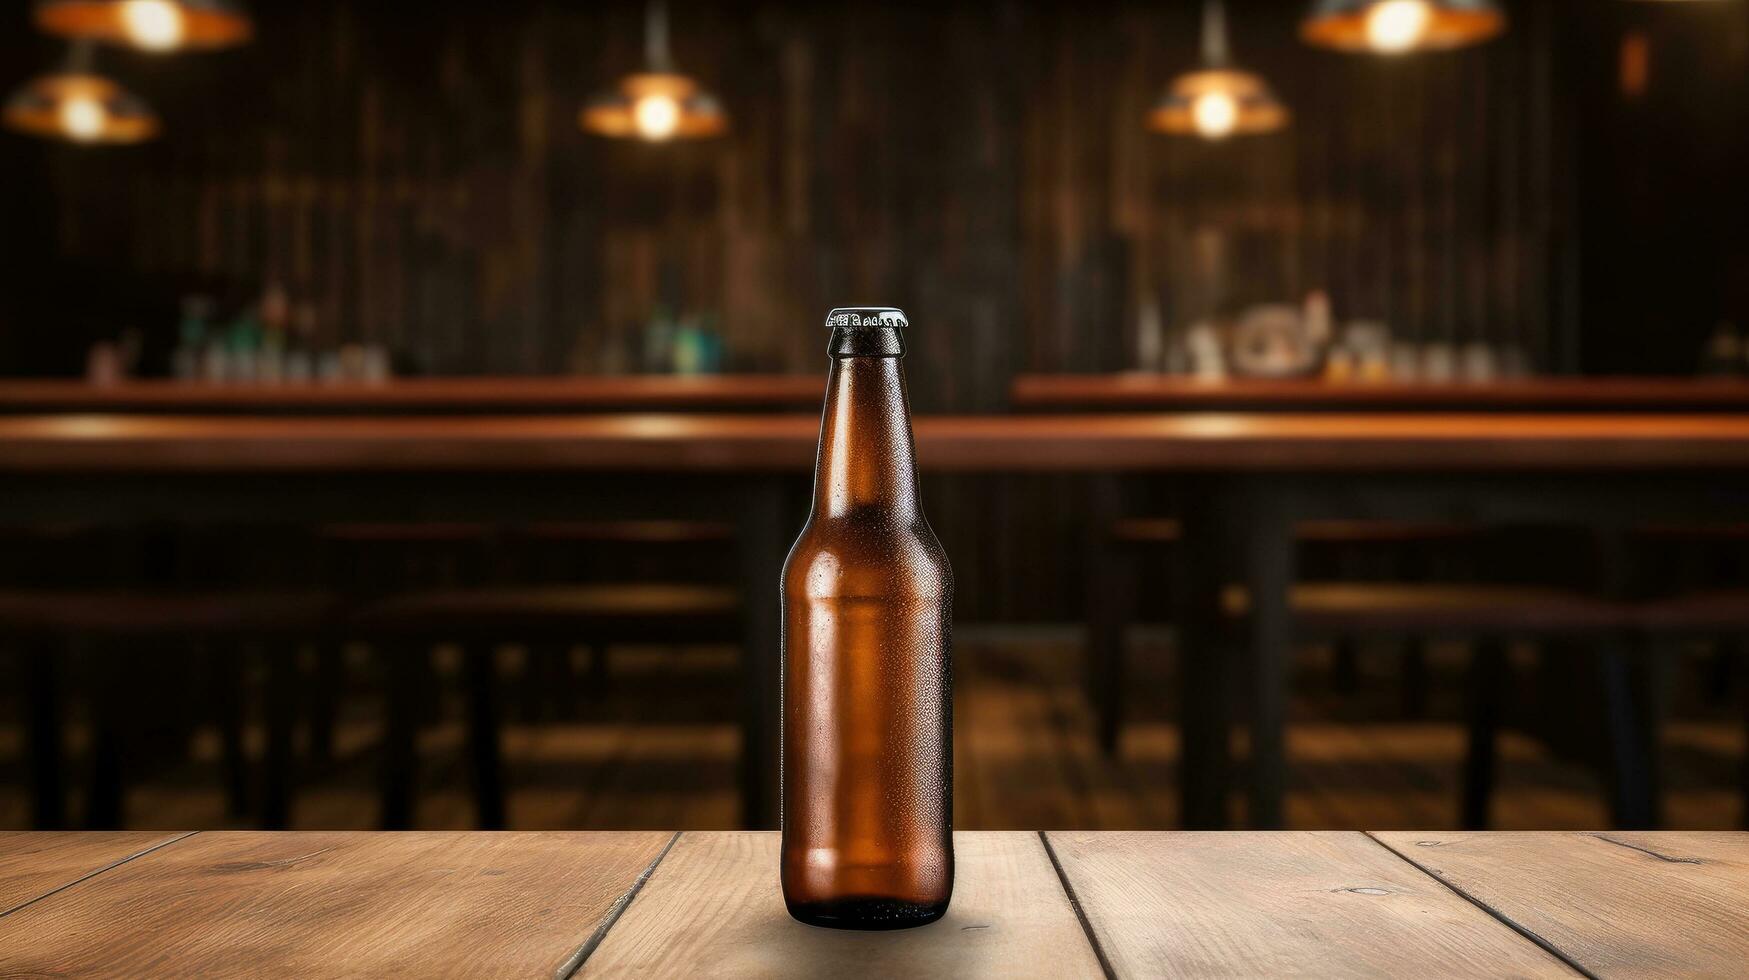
(416, 172)
(419, 176)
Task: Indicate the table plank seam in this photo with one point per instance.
(1075, 903)
(94, 873)
(1503, 918)
(578, 957)
(1667, 859)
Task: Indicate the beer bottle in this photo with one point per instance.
(867, 679)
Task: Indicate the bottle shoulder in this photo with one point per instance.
(837, 557)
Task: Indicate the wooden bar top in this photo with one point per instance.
(741, 442)
(1140, 392)
(1058, 904)
(449, 395)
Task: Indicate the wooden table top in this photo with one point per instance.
(457, 395)
(740, 442)
(1025, 904)
(1138, 391)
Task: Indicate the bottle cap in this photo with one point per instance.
(867, 316)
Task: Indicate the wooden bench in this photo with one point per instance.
(1111, 595)
(409, 626)
(122, 629)
(1491, 616)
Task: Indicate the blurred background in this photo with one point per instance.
(308, 223)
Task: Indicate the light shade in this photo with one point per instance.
(1401, 26)
(149, 25)
(658, 103)
(1218, 102)
(80, 107)
(655, 106)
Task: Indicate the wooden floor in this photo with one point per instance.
(657, 746)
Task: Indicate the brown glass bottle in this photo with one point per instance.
(867, 676)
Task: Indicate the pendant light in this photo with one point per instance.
(659, 103)
(1401, 26)
(80, 106)
(1217, 100)
(149, 25)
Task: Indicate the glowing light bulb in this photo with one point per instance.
(156, 25)
(656, 116)
(83, 118)
(1215, 114)
(1395, 26)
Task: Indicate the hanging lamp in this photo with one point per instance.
(659, 103)
(1401, 26)
(1217, 100)
(149, 25)
(78, 105)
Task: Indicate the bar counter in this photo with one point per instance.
(1057, 904)
(453, 395)
(646, 441)
(1142, 392)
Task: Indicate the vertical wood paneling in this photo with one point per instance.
(421, 181)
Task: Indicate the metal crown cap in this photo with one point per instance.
(867, 316)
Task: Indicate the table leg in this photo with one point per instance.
(1487, 674)
(484, 747)
(111, 716)
(1110, 603)
(765, 531)
(47, 760)
(1269, 577)
(227, 671)
(1203, 660)
(1631, 697)
(282, 691)
(406, 666)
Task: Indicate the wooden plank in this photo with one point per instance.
(1062, 443)
(34, 865)
(318, 904)
(714, 908)
(1280, 904)
(1131, 392)
(452, 395)
(1636, 904)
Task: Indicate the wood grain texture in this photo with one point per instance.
(1133, 392)
(714, 908)
(739, 442)
(1618, 904)
(1287, 904)
(33, 865)
(455, 395)
(335, 904)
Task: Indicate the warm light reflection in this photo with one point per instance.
(656, 116)
(1215, 115)
(83, 118)
(80, 107)
(155, 25)
(1395, 26)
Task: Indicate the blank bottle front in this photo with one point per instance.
(867, 748)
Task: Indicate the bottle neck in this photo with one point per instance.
(866, 459)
